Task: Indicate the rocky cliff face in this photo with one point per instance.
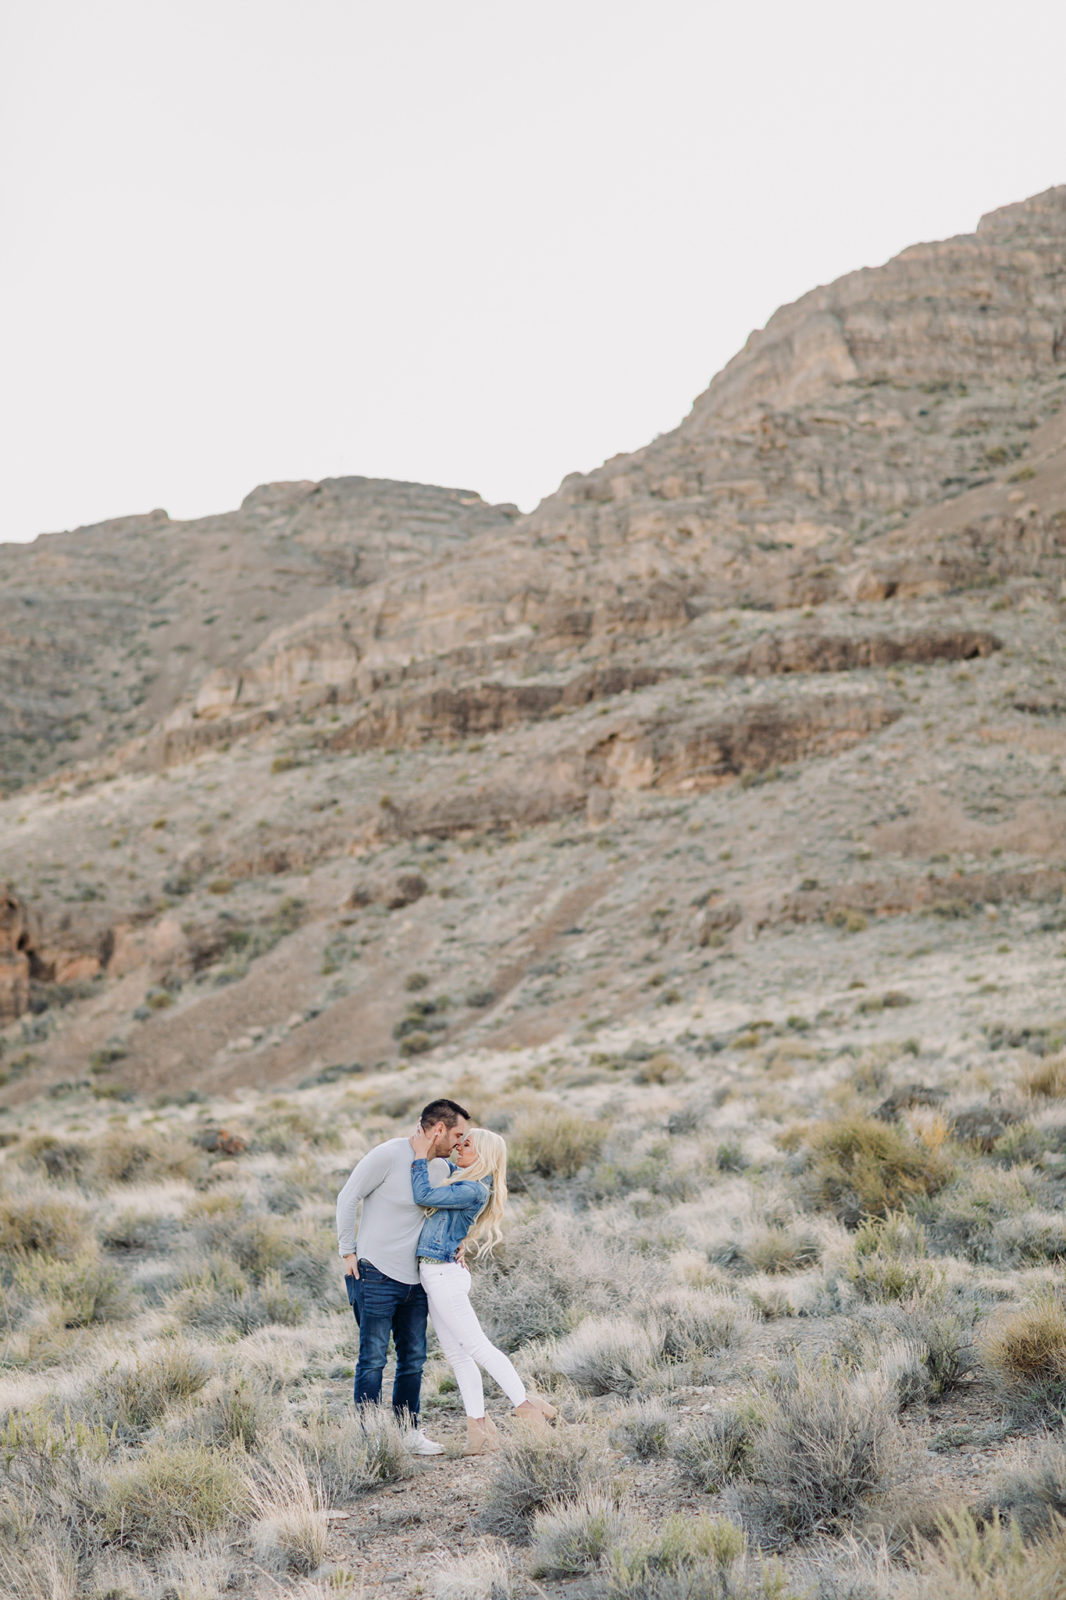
(103, 631)
(821, 616)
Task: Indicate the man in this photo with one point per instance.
(381, 1267)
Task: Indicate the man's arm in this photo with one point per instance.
(365, 1178)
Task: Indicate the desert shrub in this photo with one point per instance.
(1032, 1494)
(992, 1562)
(692, 1558)
(45, 1568)
(1046, 1079)
(860, 1167)
(576, 1536)
(694, 1323)
(961, 1219)
(482, 1575)
(137, 1155)
(169, 1493)
(355, 1454)
(534, 1474)
(942, 1334)
(659, 1068)
(1030, 1238)
(286, 1128)
(642, 1431)
(772, 1247)
(653, 1171)
(36, 1220)
(554, 1142)
(130, 1229)
(609, 1355)
(829, 1443)
(1024, 1352)
(81, 1292)
(137, 1394)
(288, 1527)
(256, 1241)
(730, 1157)
(545, 1278)
(889, 1259)
(716, 1447)
(218, 1297)
(63, 1160)
(238, 1412)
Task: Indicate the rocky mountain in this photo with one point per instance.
(794, 663)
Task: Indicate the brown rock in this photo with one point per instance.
(14, 957)
(220, 1141)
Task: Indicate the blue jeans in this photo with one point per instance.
(383, 1307)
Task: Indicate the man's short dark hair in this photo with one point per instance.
(446, 1111)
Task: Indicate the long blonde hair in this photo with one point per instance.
(486, 1231)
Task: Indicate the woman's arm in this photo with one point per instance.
(449, 1196)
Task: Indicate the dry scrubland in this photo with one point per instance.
(806, 1330)
(704, 831)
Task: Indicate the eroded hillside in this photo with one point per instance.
(798, 660)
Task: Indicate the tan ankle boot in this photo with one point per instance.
(547, 1411)
(481, 1436)
(532, 1417)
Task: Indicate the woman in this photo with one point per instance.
(468, 1206)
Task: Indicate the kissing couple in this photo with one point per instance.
(429, 1203)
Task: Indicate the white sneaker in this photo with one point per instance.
(416, 1443)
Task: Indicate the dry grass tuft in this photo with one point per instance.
(861, 1167)
(717, 1447)
(1046, 1079)
(1033, 1493)
(1025, 1353)
(78, 1293)
(289, 1523)
(577, 1536)
(45, 1569)
(533, 1475)
(830, 1444)
(692, 1558)
(642, 1431)
(36, 1220)
(993, 1562)
(554, 1142)
(890, 1259)
(482, 1575)
(356, 1453)
(610, 1355)
(169, 1494)
(137, 1394)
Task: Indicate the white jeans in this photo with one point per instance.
(447, 1287)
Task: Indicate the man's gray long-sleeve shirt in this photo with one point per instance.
(391, 1222)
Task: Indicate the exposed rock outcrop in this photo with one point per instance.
(14, 956)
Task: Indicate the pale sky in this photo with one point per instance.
(480, 243)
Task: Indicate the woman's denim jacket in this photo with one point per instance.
(456, 1205)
